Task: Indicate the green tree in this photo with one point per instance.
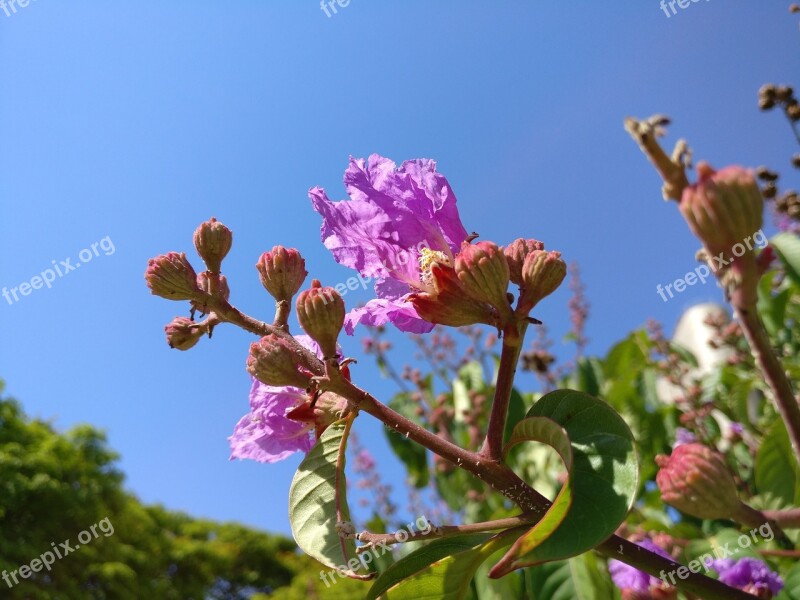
(55, 485)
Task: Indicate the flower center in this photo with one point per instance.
(427, 258)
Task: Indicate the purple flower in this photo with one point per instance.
(735, 429)
(396, 222)
(747, 572)
(266, 434)
(683, 436)
(626, 577)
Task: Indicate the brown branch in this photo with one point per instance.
(773, 372)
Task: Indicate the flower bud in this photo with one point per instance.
(282, 272)
(542, 273)
(274, 361)
(172, 277)
(183, 333)
(320, 311)
(516, 252)
(213, 242)
(483, 272)
(724, 209)
(695, 480)
(449, 304)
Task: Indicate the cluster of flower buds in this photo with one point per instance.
(724, 209)
(537, 272)
(695, 480)
(473, 290)
(172, 276)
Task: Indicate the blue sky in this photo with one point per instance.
(135, 121)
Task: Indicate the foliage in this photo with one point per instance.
(53, 486)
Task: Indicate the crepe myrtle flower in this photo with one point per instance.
(748, 574)
(638, 585)
(282, 419)
(397, 225)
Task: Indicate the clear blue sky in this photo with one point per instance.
(137, 120)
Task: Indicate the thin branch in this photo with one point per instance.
(671, 168)
(773, 372)
(509, 358)
(372, 539)
(788, 519)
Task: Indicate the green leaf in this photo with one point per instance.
(505, 588)
(441, 570)
(788, 248)
(776, 470)
(317, 491)
(579, 578)
(602, 483)
(516, 412)
(729, 539)
(772, 306)
(588, 376)
(791, 582)
(413, 456)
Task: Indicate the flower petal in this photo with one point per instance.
(380, 311)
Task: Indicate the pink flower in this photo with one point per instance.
(396, 223)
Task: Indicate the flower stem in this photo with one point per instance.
(509, 357)
(773, 372)
(230, 314)
(282, 310)
(788, 519)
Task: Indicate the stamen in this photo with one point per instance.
(427, 258)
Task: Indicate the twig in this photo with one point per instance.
(773, 372)
(509, 358)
